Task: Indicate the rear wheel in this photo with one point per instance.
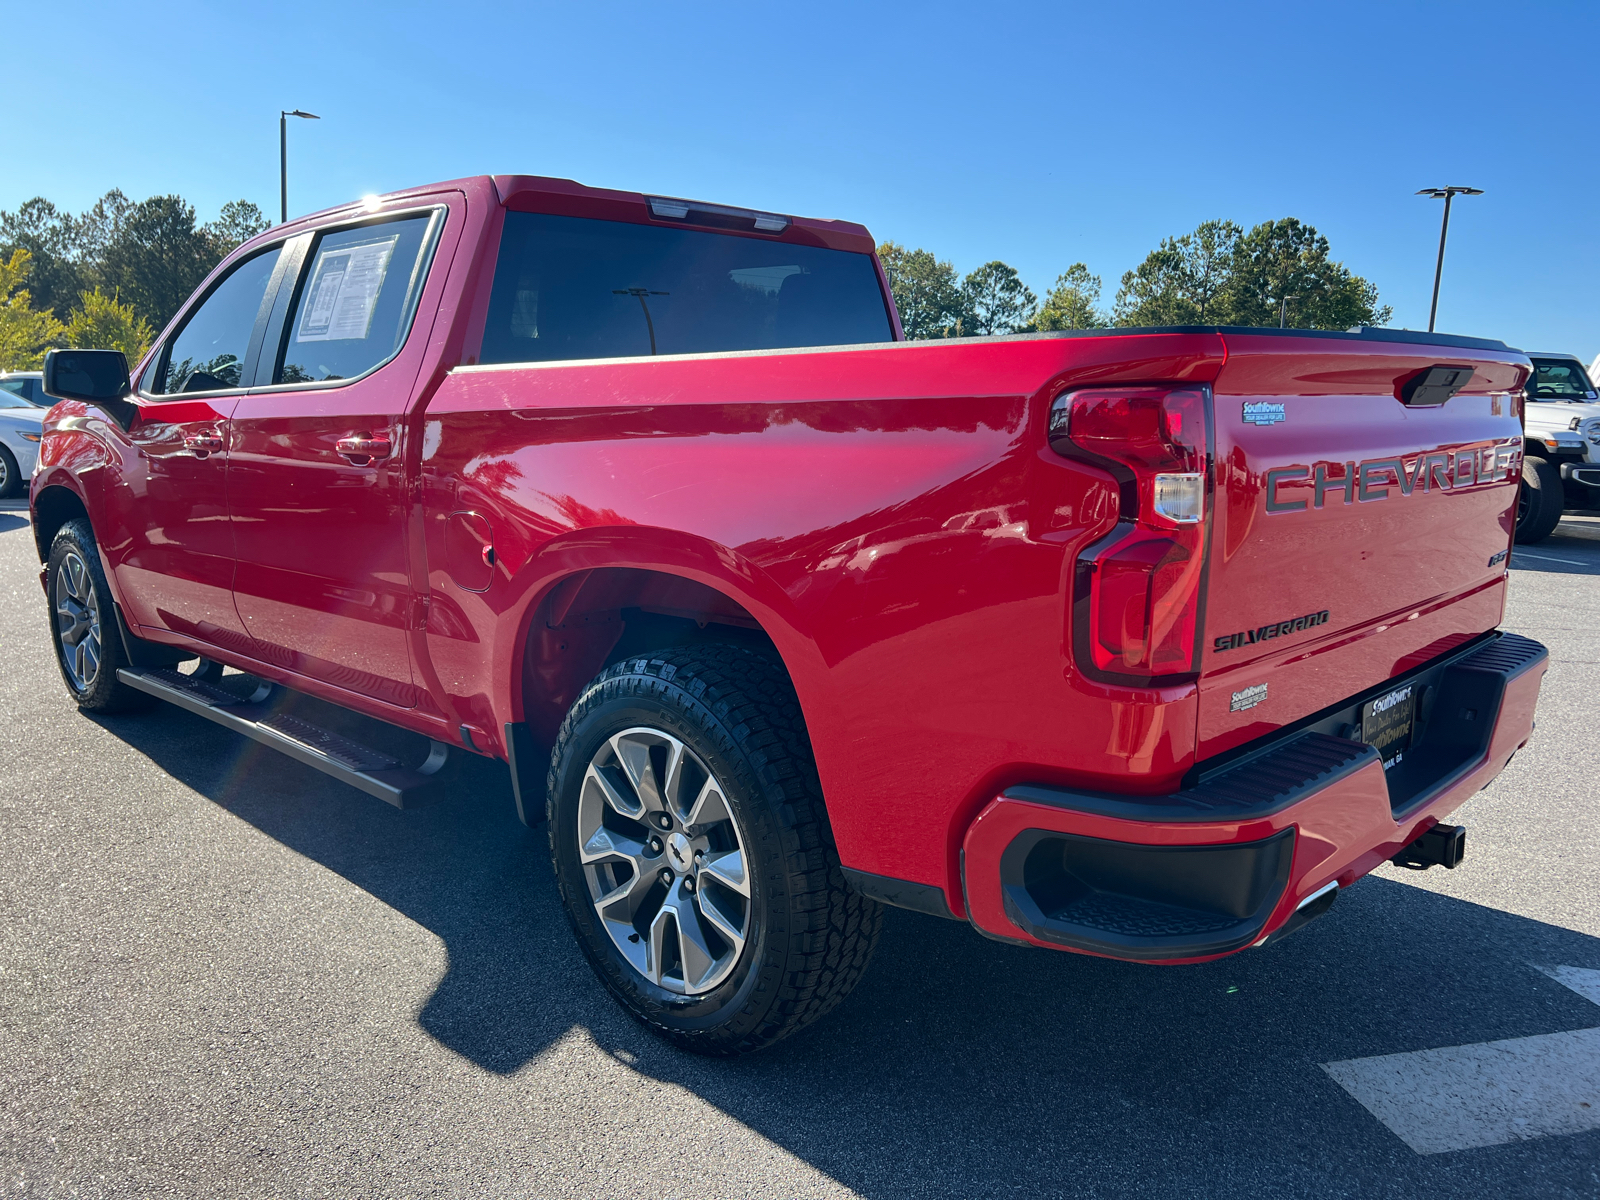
(10, 475)
(83, 624)
(1540, 501)
(693, 852)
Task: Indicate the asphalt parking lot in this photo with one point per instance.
(223, 974)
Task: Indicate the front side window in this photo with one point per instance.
(573, 287)
(355, 302)
(208, 353)
(1558, 379)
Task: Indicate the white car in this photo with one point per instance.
(1561, 448)
(27, 384)
(21, 425)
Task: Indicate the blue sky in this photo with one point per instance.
(1040, 134)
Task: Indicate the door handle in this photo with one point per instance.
(363, 448)
(202, 443)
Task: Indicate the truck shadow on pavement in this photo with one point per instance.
(961, 1066)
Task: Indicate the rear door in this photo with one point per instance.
(316, 483)
(1355, 534)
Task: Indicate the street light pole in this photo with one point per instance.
(1447, 194)
(283, 159)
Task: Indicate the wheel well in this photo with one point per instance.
(601, 616)
(53, 508)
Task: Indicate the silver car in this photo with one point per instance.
(21, 425)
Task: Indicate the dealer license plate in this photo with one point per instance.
(1386, 723)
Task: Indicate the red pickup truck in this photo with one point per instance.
(1139, 643)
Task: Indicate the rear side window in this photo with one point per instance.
(355, 301)
(208, 353)
(571, 287)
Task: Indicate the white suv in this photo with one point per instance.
(1561, 463)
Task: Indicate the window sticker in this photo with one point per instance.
(344, 291)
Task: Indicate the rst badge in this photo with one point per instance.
(1264, 412)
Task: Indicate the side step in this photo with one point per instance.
(374, 772)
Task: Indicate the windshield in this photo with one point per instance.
(11, 394)
(1559, 379)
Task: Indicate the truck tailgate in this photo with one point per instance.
(1355, 535)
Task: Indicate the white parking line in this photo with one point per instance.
(1571, 562)
(1486, 1094)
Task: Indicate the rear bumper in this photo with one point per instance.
(1227, 863)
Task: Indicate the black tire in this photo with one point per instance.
(11, 481)
(809, 937)
(1540, 501)
(97, 690)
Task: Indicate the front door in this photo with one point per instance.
(168, 533)
(316, 485)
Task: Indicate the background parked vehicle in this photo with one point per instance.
(20, 429)
(29, 385)
(1561, 450)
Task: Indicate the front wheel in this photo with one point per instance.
(693, 853)
(1540, 501)
(11, 480)
(83, 624)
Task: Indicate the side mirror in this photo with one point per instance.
(95, 376)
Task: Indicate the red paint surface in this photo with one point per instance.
(891, 516)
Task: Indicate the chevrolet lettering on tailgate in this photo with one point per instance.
(1371, 479)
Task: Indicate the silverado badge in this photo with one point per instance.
(1249, 637)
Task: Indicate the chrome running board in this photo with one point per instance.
(373, 771)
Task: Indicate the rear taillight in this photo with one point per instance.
(1136, 610)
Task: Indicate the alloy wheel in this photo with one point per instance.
(78, 620)
(664, 859)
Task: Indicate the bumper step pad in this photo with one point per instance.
(1255, 787)
(1143, 902)
(374, 772)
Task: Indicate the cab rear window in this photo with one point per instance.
(573, 287)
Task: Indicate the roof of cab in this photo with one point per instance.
(566, 197)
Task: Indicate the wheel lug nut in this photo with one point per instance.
(664, 821)
(688, 884)
(655, 845)
(666, 877)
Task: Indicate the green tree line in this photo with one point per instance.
(108, 278)
(1221, 274)
(112, 276)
